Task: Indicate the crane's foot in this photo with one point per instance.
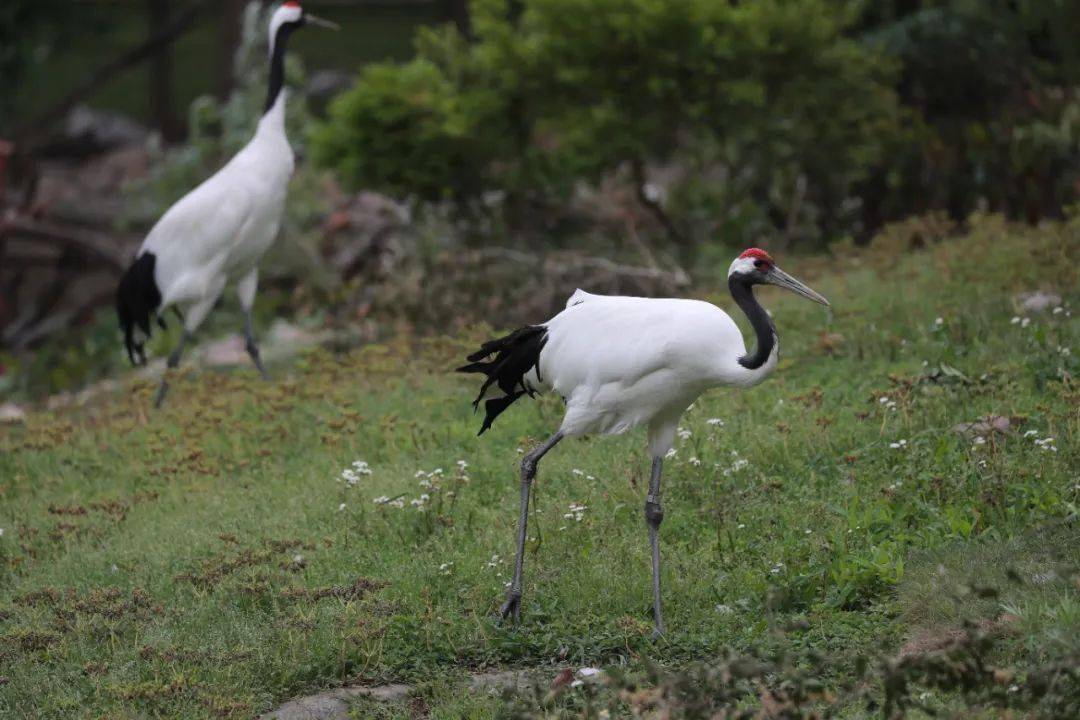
(162, 390)
(253, 351)
(512, 607)
(657, 634)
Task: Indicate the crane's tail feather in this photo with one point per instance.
(515, 355)
(137, 300)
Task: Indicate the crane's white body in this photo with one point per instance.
(622, 362)
(217, 233)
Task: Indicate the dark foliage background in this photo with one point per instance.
(802, 120)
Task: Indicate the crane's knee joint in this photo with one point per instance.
(654, 513)
(528, 468)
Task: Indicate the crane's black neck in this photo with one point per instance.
(277, 64)
(742, 290)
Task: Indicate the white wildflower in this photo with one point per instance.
(361, 467)
(1058, 310)
(979, 440)
(739, 464)
(939, 321)
(898, 445)
(341, 507)
(724, 609)
(578, 472)
(577, 512)
(1047, 444)
(1025, 322)
(669, 454)
(716, 422)
(1015, 320)
(683, 433)
(398, 503)
(694, 461)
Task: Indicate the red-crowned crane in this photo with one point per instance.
(621, 362)
(216, 234)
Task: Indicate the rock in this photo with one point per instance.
(324, 85)
(335, 704)
(1037, 302)
(97, 130)
(92, 192)
(985, 427)
(12, 414)
(227, 351)
(286, 335)
(282, 340)
(360, 234)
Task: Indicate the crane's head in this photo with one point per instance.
(756, 267)
(292, 16)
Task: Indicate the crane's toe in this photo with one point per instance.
(512, 607)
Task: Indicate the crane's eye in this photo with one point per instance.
(760, 264)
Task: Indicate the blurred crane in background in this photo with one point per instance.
(217, 233)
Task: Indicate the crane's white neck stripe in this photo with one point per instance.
(284, 15)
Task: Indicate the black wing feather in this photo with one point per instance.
(515, 355)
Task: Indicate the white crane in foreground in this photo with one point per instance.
(620, 362)
(217, 233)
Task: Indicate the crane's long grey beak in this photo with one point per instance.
(778, 277)
(319, 22)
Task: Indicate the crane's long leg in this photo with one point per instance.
(245, 290)
(195, 316)
(252, 347)
(172, 363)
(528, 472)
(654, 515)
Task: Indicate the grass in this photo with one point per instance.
(194, 562)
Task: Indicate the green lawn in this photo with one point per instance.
(194, 562)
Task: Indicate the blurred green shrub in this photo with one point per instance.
(798, 120)
(993, 107)
(554, 92)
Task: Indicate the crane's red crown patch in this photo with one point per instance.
(291, 4)
(758, 254)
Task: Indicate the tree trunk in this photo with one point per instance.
(232, 19)
(457, 12)
(161, 80)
